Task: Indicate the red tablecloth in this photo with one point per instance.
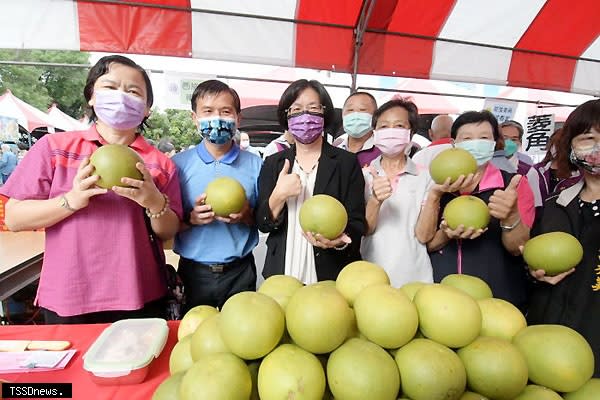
(82, 337)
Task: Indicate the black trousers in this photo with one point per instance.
(203, 286)
(153, 309)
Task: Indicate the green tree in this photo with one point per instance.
(175, 125)
(43, 85)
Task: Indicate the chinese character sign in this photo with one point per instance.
(539, 130)
(503, 110)
(180, 87)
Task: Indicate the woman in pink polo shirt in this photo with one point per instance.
(99, 263)
(492, 254)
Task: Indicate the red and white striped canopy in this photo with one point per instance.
(26, 115)
(546, 44)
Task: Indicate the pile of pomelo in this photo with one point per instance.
(359, 338)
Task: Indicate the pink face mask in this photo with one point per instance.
(118, 109)
(391, 141)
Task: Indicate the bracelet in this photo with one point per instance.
(161, 212)
(64, 203)
(508, 228)
(341, 248)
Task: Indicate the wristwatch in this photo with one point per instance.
(64, 203)
(508, 228)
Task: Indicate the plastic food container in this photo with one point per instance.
(123, 352)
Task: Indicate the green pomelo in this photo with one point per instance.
(318, 318)
(193, 318)
(430, 371)
(289, 372)
(115, 161)
(181, 356)
(554, 252)
(386, 316)
(471, 285)
(207, 339)
(469, 211)
(411, 288)
(225, 195)
(558, 357)
(358, 275)
(534, 392)
(472, 396)
(495, 368)
(323, 214)
(218, 376)
(452, 163)
(589, 391)
(448, 315)
(280, 288)
(169, 388)
(500, 319)
(251, 324)
(360, 370)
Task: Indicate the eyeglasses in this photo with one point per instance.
(311, 108)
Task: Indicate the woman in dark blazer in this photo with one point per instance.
(311, 166)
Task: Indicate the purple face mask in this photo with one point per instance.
(118, 109)
(306, 127)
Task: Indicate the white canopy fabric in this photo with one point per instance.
(64, 121)
(26, 115)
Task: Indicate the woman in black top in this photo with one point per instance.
(311, 166)
(573, 298)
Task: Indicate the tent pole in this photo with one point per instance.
(359, 31)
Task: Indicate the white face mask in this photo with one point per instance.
(244, 144)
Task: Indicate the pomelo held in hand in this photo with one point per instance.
(323, 214)
(115, 161)
(225, 195)
(452, 163)
(470, 211)
(554, 252)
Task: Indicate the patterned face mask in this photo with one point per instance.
(217, 130)
(587, 158)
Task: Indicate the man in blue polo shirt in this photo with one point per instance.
(216, 258)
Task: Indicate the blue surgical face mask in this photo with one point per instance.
(510, 147)
(217, 130)
(357, 124)
(481, 149)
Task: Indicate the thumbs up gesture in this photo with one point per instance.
(503, 203)
(288, 184)
(381, 187)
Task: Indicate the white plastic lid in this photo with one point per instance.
(126, 345)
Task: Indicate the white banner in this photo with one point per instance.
(9, 129)
(539, 130)
(503, 110)
(180, 87)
